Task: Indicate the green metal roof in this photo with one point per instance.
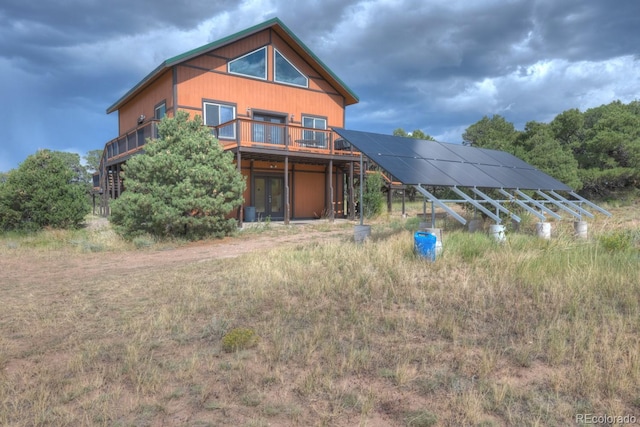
(275, 24)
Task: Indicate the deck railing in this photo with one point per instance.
(240, 133)
(276, 136)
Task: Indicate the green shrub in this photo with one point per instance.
(617, 241)
(372, 197)
(239, 339)
(42, 192)
(420, 419)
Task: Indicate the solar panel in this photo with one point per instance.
(414, 161)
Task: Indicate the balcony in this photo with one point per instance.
(242, 134)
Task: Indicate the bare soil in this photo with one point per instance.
(34, 267)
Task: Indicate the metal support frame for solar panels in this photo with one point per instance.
(537, 204)
(435, 200)
(496, 204)
(490, 214)
(590, 204)
(571, 203)
(522, 204)
(560, 205)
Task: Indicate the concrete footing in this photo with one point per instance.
(361, 233)
(543, 230)
(580, 228)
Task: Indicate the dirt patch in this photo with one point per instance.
(72, 267)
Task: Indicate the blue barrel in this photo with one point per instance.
(249, 214)
(425, 245)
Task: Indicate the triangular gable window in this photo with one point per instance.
(286, 72)
(252, 64)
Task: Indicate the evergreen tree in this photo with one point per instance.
(547, 154)
(42, 192)
(494, 132)
(184, 184)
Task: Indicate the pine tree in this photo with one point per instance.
(42, 192)
(183, 185)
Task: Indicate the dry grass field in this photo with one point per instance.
(98, 331)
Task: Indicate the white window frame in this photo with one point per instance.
(266, 60)
(275, 71)
(218, 119)
(315, 136)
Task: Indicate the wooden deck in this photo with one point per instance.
(276, 138)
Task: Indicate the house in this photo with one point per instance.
(270, 101)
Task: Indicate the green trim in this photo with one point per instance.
(219, 43)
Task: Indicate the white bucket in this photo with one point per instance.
(496, 231)
(580, 228)
(543, 230)
(361, 233)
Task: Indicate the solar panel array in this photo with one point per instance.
(414, 161)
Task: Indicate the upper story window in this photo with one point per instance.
(160, 111)
(315, 123)
(286, 72)
(253, 64)
(216, 114)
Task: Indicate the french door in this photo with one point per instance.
(271, 132)
(268, 196)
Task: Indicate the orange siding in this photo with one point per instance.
(309, 190)
(196, 85)
(245, 45)
(209, 62)
(145, 102)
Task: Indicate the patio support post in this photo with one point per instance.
(351, 201)
(286, 190)
(330, 177)
(113, 182)
(104, 194)
(240, 209)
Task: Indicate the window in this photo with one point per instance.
(286, 72)
(315, 123)
(160, 111)
(216, 114)
(252, 64)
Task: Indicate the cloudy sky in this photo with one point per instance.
(434, 65)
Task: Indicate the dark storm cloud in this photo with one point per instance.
(593, 30)
(436, 65)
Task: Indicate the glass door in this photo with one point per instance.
(268, 193)
(272, 132)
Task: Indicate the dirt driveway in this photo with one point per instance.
(23, 267)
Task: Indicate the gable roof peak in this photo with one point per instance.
(274, 23)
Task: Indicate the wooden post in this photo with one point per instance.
(389, 197)
(330, 177)
(240, 209)
(286, 190)
(351, 201)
